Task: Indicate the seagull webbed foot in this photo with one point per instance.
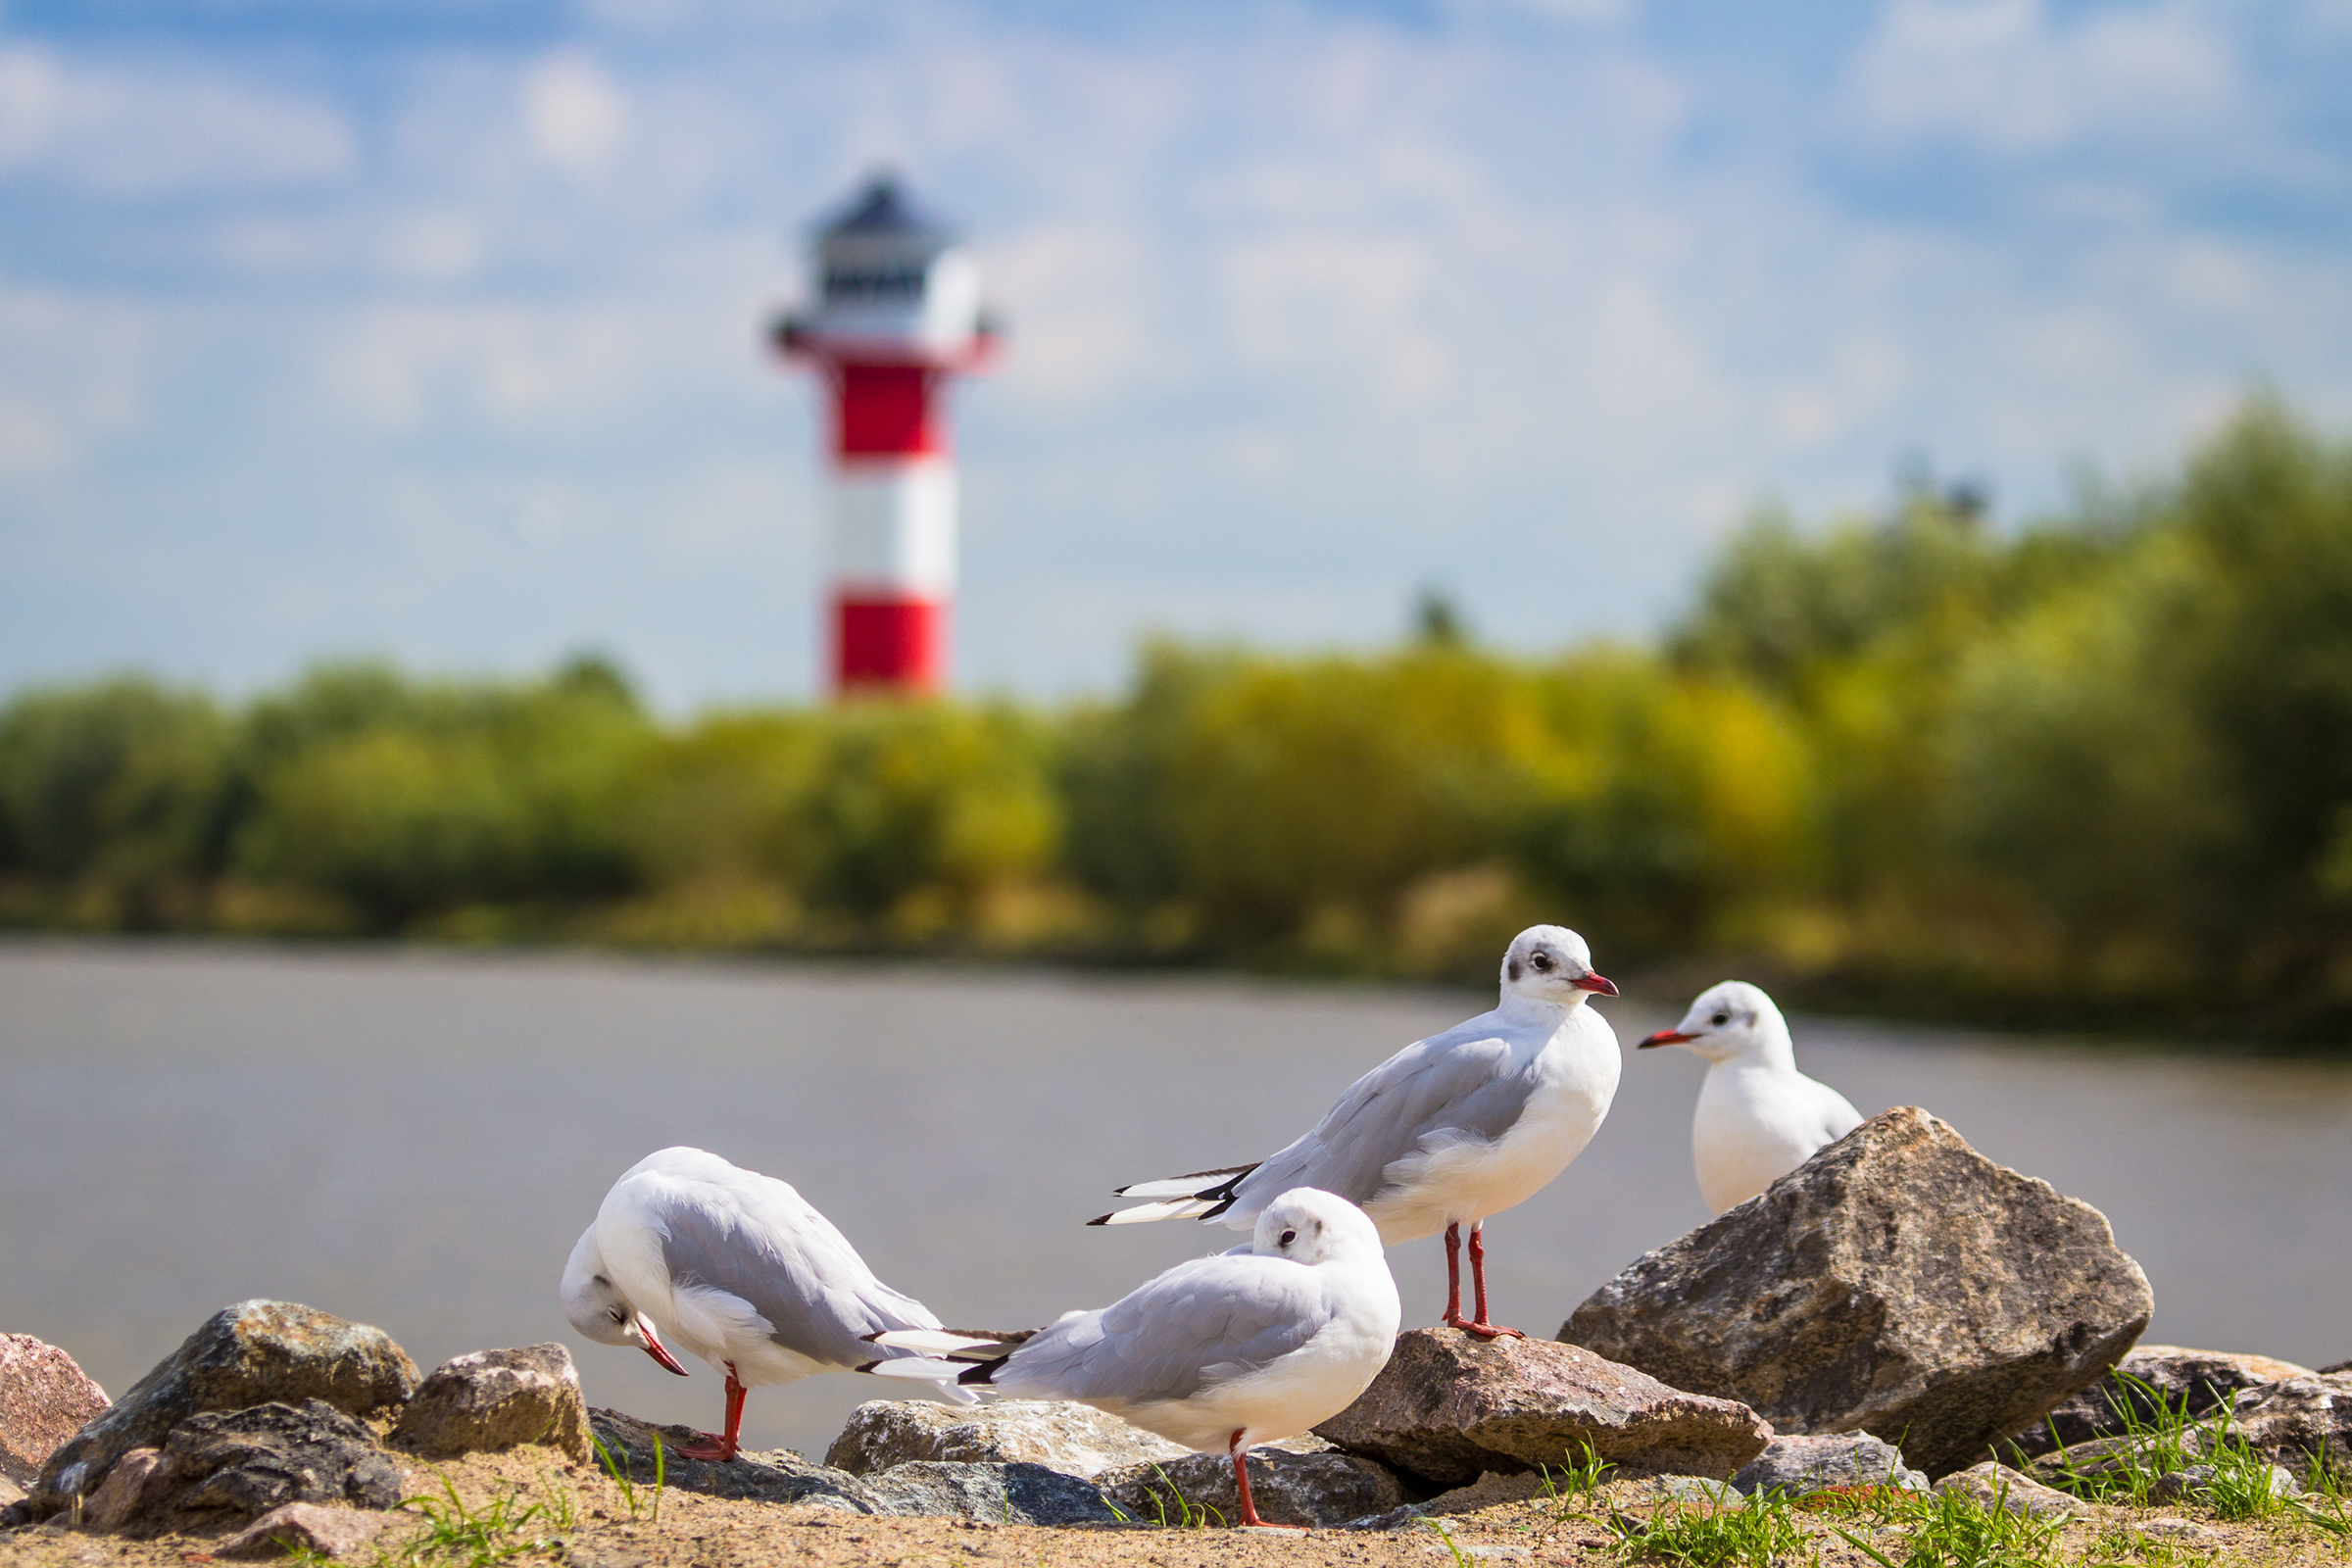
(715, 1448)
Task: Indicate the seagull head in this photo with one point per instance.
(1727, 1020)
(598, 1311)
(1552, 964)
(1310, 1226)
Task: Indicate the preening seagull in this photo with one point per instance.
(1221, 1352)
(731, 1266)
(1448, 1131)
(1758, 1117)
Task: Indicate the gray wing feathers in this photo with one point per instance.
(1465, 1084)
(794, 1269)
(1201, 1323)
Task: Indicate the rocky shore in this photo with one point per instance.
(1897, 1337)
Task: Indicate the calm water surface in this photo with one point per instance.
(415, 1139)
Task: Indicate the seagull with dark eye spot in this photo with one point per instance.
(1451, 1129)
(1758, 1117)
(1249, 1346)
(691, 1251)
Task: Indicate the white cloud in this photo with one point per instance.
(577, 117)
(2004, 76)
(138, 131)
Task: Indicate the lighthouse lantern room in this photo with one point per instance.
(898, 314)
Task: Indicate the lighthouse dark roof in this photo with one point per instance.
(885, 208)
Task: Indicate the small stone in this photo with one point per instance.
(1898, 1282)
(1449, 1407)
(45, 1399)
(497, 1400)
(1075, 1438)
(1698, 1488)
(2194, 1380)
(140, 1483)
(2297, 1421)
(306, 1527)
(255, 1352)
(1018, 1493)
(2181, 1533)
(254, 1460)
(779, 1476)
(1996, 1485)
(1487, 1491)
(1294, 1482)
(1795, 1468)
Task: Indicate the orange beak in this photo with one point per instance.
(1600, 984)
(657, 1350)
(1666, 1037)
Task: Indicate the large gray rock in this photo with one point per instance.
(778, 1476)
(1449, 1407)
(1294, 1482)
(45, 1399)
(1075, 1438)
(2293, 1422)
(1002, 1493)
(250, 1461)
(237, 1463)
(2197, 1380)
(1794, 1467)
(255, 1352)
(497, 1400)
(1898, 1282)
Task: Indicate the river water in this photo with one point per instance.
(415, 1140)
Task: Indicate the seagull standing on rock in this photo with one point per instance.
(733, 1268)
(1243, 1347)
(1758, 1117)
(1451, 1129)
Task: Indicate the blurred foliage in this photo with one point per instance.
(2095, 770)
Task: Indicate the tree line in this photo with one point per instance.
(2093, 772)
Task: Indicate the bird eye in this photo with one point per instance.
(617, 1315)
(1287, 1237)
(1721, 1019)
(1539, 958)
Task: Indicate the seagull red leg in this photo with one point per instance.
(1454, 1278)
(1477, 1286)
(720, 1447)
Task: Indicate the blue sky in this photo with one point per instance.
(432, 330)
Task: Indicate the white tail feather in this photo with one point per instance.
(931, 1342)
(1165, 1208)
(920, 1369)
(1173, 1187)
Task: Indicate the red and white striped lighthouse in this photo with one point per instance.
(898, 314)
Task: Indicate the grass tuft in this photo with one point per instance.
(1703, 1535)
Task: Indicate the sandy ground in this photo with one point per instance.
(693, 1530)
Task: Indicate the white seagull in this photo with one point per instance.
(1243, 1347)
(731, 1266)
(1758, 1117)
(1448, 1131)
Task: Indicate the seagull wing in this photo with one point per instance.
(764, 1244)
(1469, 1084)
(1200, 1324)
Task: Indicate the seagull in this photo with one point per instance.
(731, 1266)
(1758, 1117)
(1448, 1131)
(1225, 1351)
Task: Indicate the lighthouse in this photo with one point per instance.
(897, 315)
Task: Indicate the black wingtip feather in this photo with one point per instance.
(1099, 1219)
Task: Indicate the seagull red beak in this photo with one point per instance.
(1666, 1037)
(1597, 983)
(657, 1350)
